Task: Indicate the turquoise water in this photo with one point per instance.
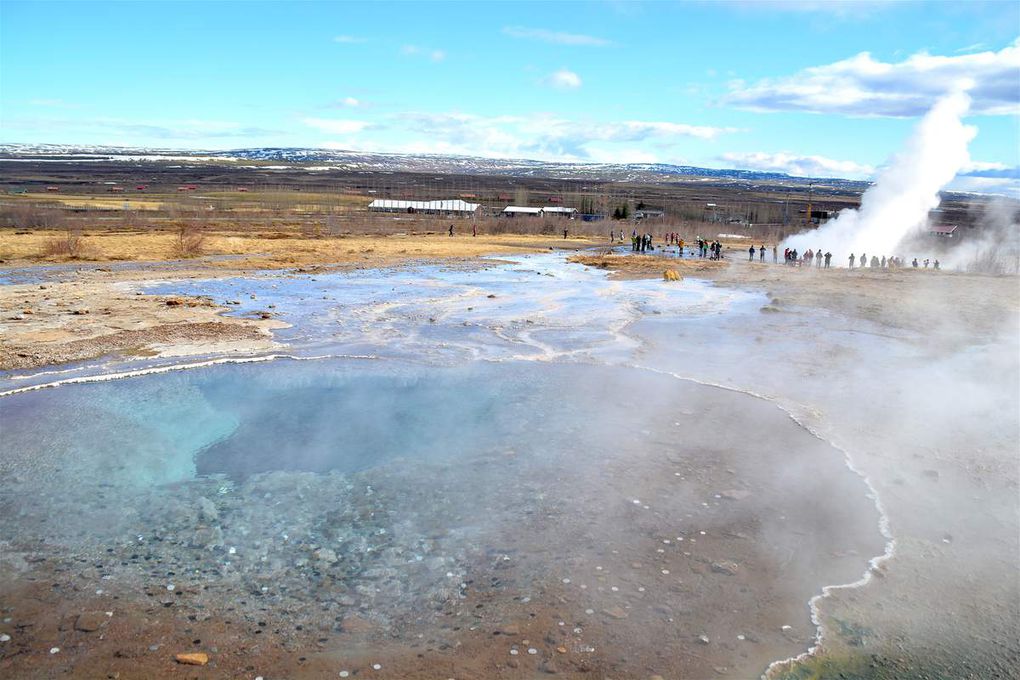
(444, 468)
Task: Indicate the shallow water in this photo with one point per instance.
(404, 488)
(418, 479)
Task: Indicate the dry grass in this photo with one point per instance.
(647, 266)
(280, 249)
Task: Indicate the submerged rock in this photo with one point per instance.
(90, 621)
(725, 567)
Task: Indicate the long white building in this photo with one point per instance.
(450, 207)
(558, 211)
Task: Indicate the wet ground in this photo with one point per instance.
(517, 467)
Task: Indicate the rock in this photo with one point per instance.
(90, 621)
(207, 509)
(174, 302)
(79, 312)
(192, 658)
(325, 555)
(735, 494)
(510, 629)
(703, 639)
(208, 537)
(615, 612)
(355, 624)
(671, 275)
(724, 567)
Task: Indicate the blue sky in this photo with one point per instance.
(777, 85)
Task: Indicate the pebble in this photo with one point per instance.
(514, 652)
(54, 650)
(376, 666)
(532, 650)
(192, 658)
(344, 674)
(703, 639)
(5, 638)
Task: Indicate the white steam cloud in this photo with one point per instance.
(905, 191)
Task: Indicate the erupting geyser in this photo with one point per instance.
(905, 191)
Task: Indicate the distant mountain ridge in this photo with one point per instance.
(328, 159)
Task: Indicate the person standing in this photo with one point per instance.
(564, 234)
(818, 257)
(451, 230)
(474, 230)
(750, 254)
(852, 259)
(828, 258)
(761, 253)
(864, 260)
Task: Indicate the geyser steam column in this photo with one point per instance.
(905, 190)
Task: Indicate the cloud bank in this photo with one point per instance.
(865, 86)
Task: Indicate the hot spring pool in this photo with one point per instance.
(427, 501)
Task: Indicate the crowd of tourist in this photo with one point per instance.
(713, 250)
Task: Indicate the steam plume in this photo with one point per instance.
(905, 191)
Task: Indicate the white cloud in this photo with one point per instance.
(349, 39)
(840, 9)
(337, 127)
(555, 37)
(563, 80)
(52, 103)
(1002, 186)
(427, 52)
(348, 103)
(983, 166)
(187, 129)
(864, 86)
(798, 165)
(541, 137)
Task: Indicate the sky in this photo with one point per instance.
(807, 87)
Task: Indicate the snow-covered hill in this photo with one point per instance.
(320, 160)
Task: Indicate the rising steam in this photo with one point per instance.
(904, 192)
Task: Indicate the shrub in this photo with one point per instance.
(190, 240)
